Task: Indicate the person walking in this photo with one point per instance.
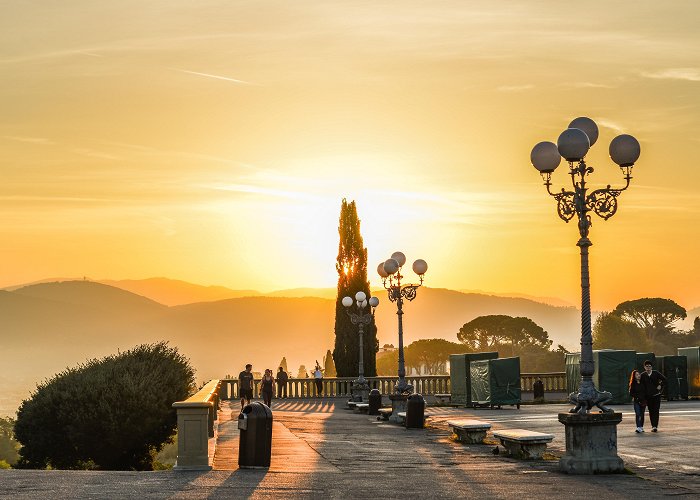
(282, 379)
(318, 379)
(639, 398)
(267, 387)
(245, 385)
(653, 383)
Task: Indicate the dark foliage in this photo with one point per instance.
(8, 445)
(352, 278)
(654, 315)
(513, 336)
(113, 413)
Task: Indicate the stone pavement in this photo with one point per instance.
(323, 450)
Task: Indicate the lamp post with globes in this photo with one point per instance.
(573, 145)
(390, 271)
(361, 318)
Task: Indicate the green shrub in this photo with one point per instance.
(8, 445)
(113, 413)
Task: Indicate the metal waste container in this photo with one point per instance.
(255, 445)
(538, 391)
(415, 411)
(375, 402)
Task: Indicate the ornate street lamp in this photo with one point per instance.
(572, 145)
(361, 318)
(390, 271)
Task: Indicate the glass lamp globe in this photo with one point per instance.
(399, 257)
(363, 304)
(391, 266)
(360, 296)
(373, 301)
(625, 150)
(573, 144)
(420, 267)
(347, 301)
(380, 270)
(545, 157)
(588, 126)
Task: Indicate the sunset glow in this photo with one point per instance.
(214, 141)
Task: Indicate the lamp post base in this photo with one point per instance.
(398, 403)
(360, 391)
(591, 443)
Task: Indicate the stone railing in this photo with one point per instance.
(195, 425)
(553, 381)
(340, 387)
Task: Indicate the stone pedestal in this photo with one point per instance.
(398, 404)
(591, 443)
(360, 393)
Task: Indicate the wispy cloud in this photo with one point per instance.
(590, 85)
(94, 154)
(515, 88)
(32, 140)
(605, 123)
(687, 74)
(216, 77)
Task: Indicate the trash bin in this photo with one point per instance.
(255, 445)
(375, 402)
(538, 391)
(415, 411)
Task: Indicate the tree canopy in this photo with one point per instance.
(654, 315)
(498, 332)
(351, 266)
(431, 355)
(114, 413)
(613, 332)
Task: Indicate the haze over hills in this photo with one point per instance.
(49, 326)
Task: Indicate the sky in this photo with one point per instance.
(213, 141)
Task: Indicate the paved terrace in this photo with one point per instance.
(321, 450)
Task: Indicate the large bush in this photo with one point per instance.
(112, 413)
(8, 444)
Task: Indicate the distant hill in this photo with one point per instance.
(552, 301)
(49, 326)
(176, 292)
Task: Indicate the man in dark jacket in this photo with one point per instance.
(653, 383)
(282, 379)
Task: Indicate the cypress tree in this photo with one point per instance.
(352, 278)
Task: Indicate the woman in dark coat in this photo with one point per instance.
(637, 391)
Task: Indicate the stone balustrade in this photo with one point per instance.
(195, 425)
(340, 387)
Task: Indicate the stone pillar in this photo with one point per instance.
(398, 403)
(591, 443)
(193, 431)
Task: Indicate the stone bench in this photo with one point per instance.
(521, 443)
(350, 405)
(443, 399)
(402, 417)
(469, 431)
(384, 413)
(361, 407)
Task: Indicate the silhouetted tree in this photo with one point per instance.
(329, 366)
(654, 315)
(498, 332)
(114, 413)
(352, 277)
(613, 332)
(283, 364)
(431, 355)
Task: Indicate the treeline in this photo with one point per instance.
(509, 336)
(642, 325)
(645, 325)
